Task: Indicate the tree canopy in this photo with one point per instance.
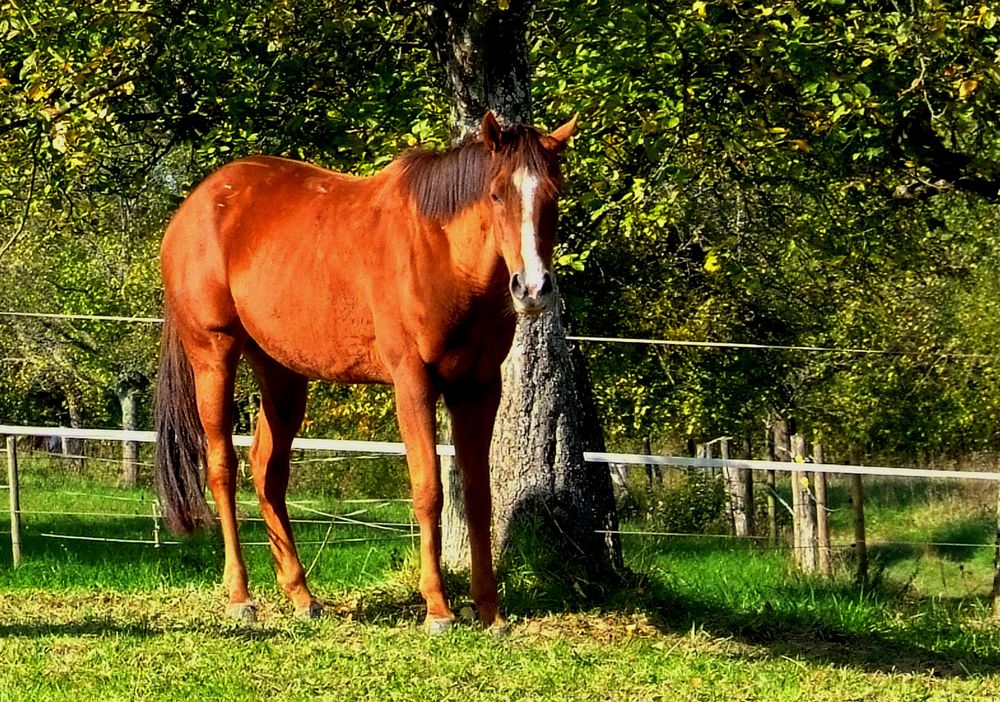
(801, 173)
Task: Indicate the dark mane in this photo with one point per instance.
(443, 183)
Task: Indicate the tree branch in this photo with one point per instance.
(950, 170)
(27, 204)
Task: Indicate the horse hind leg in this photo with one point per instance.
(214, 357)
(283, 402)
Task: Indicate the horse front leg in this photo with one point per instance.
(415, 401)
(473, 409)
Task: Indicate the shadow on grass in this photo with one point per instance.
(807, 635)
(828, 622)
(794, 617)
(134, 630)
(954, 541)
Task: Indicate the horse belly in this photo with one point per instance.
(341, 357)
(311, 323)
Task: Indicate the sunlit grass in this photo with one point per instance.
(697, 618)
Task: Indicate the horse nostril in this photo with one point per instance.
(546, 284)
(517, 288)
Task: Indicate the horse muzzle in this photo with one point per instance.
(532, 295)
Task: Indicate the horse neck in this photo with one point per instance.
(474, 257)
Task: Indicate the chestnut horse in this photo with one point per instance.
(407, 277)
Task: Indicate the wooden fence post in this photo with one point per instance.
(804, 523)
(822, 516)
(739, 498)
(996, 563)
(13, 488)
(858, 504)
(704, 451)
(653, 471)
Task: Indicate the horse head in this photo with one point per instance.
(524, 186)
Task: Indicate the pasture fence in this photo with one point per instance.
(805, 547)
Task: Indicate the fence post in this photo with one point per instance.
(704, 451)
(822, 516)
(996, 563)
(652, 470)
(738, 496)
(156, 523)
(779, 452)
(804, 524)
(13, 488)
(858, 504)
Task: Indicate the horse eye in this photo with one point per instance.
(495, 196)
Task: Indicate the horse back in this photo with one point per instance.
(333, 276)
(272, 249)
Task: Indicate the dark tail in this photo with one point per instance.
(180, 439)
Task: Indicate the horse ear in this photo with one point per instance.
(560, 137)
(492, 132)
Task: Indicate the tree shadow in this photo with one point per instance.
(957, 540)
(803, 635)
(801, 629)
(533, 587)
(108, 626)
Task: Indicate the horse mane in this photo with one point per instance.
(443, 183)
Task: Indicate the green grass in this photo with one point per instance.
(697, 619)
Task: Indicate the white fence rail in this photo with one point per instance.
(397, 449)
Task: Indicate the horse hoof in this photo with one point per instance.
(245, 612)
(499, 630)
(312, 612)
(435, 626)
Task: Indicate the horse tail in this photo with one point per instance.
(180, 438)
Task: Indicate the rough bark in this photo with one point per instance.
(950, 170)
(454, 534)
(483, 50)
(739, 496)
(804, 519)
(551, 509)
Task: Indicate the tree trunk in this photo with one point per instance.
(130, 449)
(550, 508)
(738, 496)
(455, 553)
(484, 52)
(72, 449)
(548, 505)
(804, 518)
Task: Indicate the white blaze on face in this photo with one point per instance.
(534, 270)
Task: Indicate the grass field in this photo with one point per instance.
(698, 619)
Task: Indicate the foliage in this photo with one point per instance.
(793, 173)
(693, 502)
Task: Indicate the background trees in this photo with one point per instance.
(807, 173)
